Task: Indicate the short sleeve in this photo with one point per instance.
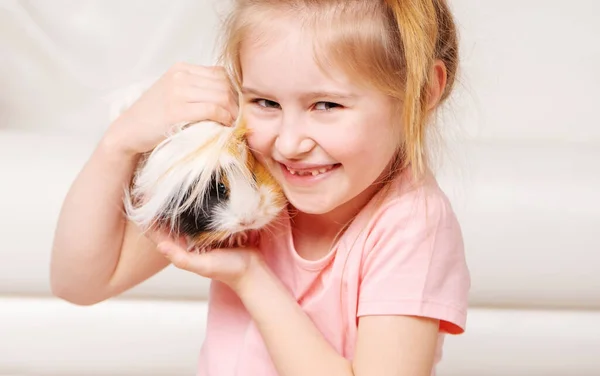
(414, 263)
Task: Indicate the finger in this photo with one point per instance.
(215, 75)
(223, 88)
(205, 111)
(182, 259)
(177, 255)
(163, 235)
(224, 98)
(188, 68)
(215, 72)
(196, 88)
(207, 71)
(185, 78)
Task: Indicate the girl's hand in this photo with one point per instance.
(232, 266)
(185, 93)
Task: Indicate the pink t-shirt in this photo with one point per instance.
(404, 256)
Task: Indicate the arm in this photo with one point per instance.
(96, 253)
(84, 267)
(396, 345)
(386, 345)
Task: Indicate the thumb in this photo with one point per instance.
(183, 259)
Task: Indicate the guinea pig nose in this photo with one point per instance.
(247, 222)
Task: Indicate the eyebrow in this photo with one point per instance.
(305, 95)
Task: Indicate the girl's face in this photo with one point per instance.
(324, 139)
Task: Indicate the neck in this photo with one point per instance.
(326, 226)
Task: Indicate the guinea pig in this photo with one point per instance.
(204, 184)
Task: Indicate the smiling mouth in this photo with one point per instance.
(311, 172)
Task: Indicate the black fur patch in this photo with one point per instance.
(196, 220)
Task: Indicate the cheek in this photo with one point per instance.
(258, 147)
(370, 144)
(260, 138)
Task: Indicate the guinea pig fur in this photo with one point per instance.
(203, 183)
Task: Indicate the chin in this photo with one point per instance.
(311, 204)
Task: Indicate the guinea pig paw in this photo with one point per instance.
(231, 241)
(197, 249)
(241, 239)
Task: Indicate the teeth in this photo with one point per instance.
(309, 172)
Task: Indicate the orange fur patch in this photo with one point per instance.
(263, 176)
(209, 238)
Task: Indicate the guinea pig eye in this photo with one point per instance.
(222, 189)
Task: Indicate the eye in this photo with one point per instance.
(266, 103)
(221, 189)
(326, 106)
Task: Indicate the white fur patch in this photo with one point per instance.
(174, 166)
(242, 209)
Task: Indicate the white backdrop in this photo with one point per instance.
(522, 166)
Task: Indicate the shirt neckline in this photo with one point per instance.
(310, 265)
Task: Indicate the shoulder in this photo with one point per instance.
(411, 212)
(413, 258)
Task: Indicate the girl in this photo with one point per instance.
(368, 272)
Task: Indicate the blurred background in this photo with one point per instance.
(521, 165)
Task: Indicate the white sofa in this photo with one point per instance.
(523, 176)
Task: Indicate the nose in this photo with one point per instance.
(291, 140)
(247, 222)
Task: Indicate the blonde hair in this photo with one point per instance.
(391, 45)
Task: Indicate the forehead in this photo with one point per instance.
(278, 57)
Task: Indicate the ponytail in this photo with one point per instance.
(418, 23)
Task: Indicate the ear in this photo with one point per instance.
(437, 83)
